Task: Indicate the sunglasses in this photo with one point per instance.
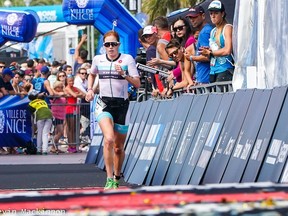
(174, 53)
(148, 35)
(83, 73)
(180, 28)
(113, 44)
(1, 66)
(62, 75)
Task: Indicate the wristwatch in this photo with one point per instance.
(125, 74)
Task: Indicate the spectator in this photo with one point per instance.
(176, 52)
(31, 65)
(150, 36)
(61, 76)
(220, 44)
(6, 87)
(58, 112)
(198, 21)
(161, 23)
(81, 83)
(41, 84)
(27, 85)
(72, 111)
(2, 66)
(16, 85)
(184, 34)
(163, 33)
(43, 117)
(80, 56)
(67, 69)
(53, 76)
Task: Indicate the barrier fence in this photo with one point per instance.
(206, 138)
(17, 127)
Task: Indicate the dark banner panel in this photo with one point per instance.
(187, 140)
(95, 149)
(228, 136)
(151, 143)
(134, 131)
(247, 136)
(265, 133)
(141, 142)
(140, 123)
(276, 156)
(167, 124)
(209, 144)
(134, 113)
(172, 140)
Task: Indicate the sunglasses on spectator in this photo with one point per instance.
(62, 75)
(174, 53)
(148, 35)
(180, 28)
(113, 44)
(83, 73)
(2, 66)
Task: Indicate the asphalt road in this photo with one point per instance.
(32, 172)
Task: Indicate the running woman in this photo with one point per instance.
(115, 71)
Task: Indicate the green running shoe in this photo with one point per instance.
(115, 185)
(109, 184)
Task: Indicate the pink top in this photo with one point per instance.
(190, 41)
(177, 71)
(58, 108)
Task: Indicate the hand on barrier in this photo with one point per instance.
(18, 26)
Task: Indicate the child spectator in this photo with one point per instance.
(43, 118)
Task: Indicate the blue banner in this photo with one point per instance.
(19, 26)
(15, 121)
(46, 13)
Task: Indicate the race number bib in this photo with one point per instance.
(212, 61)
(100, 105)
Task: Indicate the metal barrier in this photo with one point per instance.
(76, 127)
(221, 87)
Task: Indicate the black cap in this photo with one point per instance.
(195, 11)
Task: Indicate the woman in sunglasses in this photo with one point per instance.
(115, 71)
(185, 36)
(176, 52)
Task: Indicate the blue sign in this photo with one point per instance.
(72, 51)
(19, 26)
(45, 13)
(15, 121)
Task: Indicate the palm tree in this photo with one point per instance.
(155, 8)
(18, 3)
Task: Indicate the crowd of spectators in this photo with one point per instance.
(190, 50)
(63, 89)
(195, 52)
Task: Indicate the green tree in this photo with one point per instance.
(155, 8)
(18, 3)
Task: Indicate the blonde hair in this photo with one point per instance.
(57, 83)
